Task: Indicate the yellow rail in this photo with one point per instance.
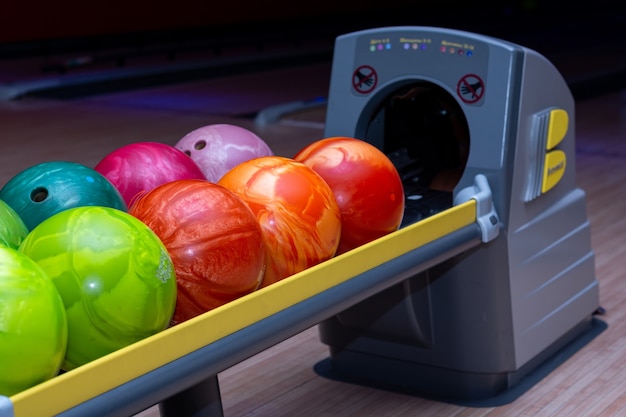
(88, 381)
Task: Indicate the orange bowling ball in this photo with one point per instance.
(213, 238)
(296, 209)
(366, 185)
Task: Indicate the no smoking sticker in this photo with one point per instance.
(364, 79)
(470, 88)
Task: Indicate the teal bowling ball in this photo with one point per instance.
(115, 277)
(33, 325)
(12, 227)
(47, 188)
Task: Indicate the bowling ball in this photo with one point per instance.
(139, 167)
(12, 227)
(113, 273)
(213, 238)
(33, 325)
(218, 148)
(366, 185)
(298, 214)
(47, 188)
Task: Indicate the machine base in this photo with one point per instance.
(451, 386)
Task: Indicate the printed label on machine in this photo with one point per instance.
(470, 88)
(364, 79)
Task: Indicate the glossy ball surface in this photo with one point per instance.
(12, 227)
(33, 326)
(296, 209)
(366, 185)
(139, 167)
(219, 147)
(113, 273)
(213, 238)
(42, 190)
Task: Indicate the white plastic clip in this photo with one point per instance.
(486, 215)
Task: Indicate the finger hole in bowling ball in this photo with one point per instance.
(199, 145)
(39, 194)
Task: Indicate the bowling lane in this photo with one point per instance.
(239, 95)
(84, 130)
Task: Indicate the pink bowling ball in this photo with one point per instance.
(219, 147)
(139, 167)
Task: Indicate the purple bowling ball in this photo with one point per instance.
(219, 147)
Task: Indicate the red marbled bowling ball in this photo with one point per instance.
(213, 238)
(296, 209)
(219, 147)
(139, 167)
(366, 185)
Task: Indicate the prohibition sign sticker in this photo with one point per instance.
(364, 79)
(470, 88)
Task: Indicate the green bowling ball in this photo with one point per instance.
(12, 227)
(33, 325)
(115, 277)
(42, 190)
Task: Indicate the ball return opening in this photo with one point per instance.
(490, 274)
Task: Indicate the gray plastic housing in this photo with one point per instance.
(475, 324)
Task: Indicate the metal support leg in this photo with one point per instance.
(201, 400)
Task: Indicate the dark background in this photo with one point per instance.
(61, 19)
(27, 27)
(66, 35)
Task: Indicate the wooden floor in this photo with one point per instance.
(281, 381)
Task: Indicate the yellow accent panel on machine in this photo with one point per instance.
(557, 128)
(553, 169)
